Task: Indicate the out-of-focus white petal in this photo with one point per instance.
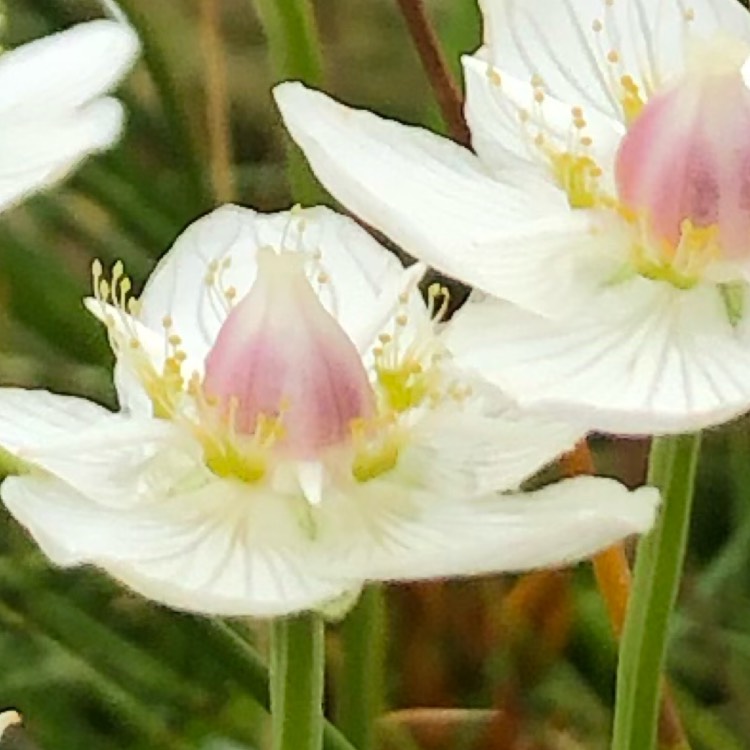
(392, 533)
(351, 272)
(580, 49)
(644, 358)
(211, 550)
(504, 138)
(64, 71)
(485, 445)
(436, 200)
(8, 719)
(43, 150)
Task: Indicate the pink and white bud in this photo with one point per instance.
(281, 353)
(687, 155)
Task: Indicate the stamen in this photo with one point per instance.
(376, 448)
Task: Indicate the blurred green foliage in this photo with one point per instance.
(92, 666)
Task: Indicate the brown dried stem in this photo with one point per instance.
(447, 92)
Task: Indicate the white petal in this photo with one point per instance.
(64, 71)
(30, 419)
(392, 533)
(646, 358)
(356, 269)
(215, 550)
(486, 445)
(104, 455)
(42, 151)
(556, 42)
(436, 200)
(504, 138)
(552, 267)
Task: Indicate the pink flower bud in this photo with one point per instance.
(280, 353)
(686, 158)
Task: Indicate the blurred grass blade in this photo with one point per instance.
(43, 295)
(295, 53)
(361, 682)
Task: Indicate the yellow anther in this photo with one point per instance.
(630, 99)
(376, 448)
(577, 175)
(681, 265)
(597, 26)
(613, 56)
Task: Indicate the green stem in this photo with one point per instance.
(658, 569)
(297, 681)
(360, 687)
(295, 55)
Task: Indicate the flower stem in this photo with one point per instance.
(444, 86)
(361, 680)
(614, 581)
(672, 468)
(297, 682)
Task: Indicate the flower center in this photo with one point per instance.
(281, 355)
(282, 381)
(683, 168)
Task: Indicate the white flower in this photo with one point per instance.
(607, 199)
(291, 426)
(53, 105)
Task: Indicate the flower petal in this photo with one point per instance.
(484, 445)
(507, 116)
(64, 71)
(350, 269)
(212, 550)
(107, 456)
(395, 534)
(646, 358)
(30, 419)
(39, 152)
(435, 199)
(581, 50)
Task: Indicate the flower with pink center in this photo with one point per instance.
(603, 210)
(291, 426)
(54, 107)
